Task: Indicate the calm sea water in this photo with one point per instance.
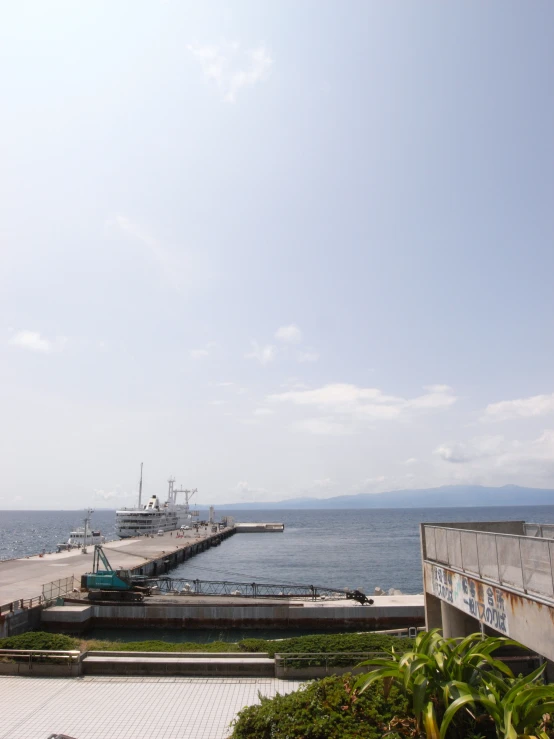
(352, 548)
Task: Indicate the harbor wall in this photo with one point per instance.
(165, 563)
(20, 620)
(284, 616)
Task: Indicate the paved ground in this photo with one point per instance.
(24, 578)
(128, 708)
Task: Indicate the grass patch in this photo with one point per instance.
(155, 645)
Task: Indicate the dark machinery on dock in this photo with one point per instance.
(105, 583)
(179, 586)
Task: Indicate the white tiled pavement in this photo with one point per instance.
(128, 708)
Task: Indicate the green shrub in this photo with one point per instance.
(39, 640)
(324, 709)
(364, 642)
(369, 642)
(457, 688)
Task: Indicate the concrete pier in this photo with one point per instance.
(22, 580)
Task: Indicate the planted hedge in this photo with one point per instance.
(363, 642)
(359, 642)
(39, 640)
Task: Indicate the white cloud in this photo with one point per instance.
(293, 383)
(366, 404)
(308, 356)
(477, 448)
(289, 334)
(263, 412)
(114, 494)
(495, 458)
(217, 402)
(203, 352)
(244, 491)
(506, 410)
(411, 460)
(178, 266)
(263, 354)
(139, 233)
(321, 427)
(457, 453)
(34, 342)
(230, 68)
(326, 482)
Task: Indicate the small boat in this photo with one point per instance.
(82, 536)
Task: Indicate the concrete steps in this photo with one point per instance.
(201, 664)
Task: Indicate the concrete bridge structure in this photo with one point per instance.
(497, 577)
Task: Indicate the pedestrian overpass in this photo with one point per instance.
(497, 577)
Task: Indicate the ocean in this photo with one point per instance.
(347, 548)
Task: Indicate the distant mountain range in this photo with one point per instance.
(446, 496)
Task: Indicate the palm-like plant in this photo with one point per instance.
(443, 676)
(516, 705)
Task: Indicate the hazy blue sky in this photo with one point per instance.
(275, 249)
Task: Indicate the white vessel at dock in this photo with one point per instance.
(155, 516)
(83, 536)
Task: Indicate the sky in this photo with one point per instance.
(274, 249)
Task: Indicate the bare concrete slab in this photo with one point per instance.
(70, 614)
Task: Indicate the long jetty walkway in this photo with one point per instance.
(23, 579)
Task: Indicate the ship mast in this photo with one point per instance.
(87, 529)
(188, 495)
(140, 485)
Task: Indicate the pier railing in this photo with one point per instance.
(524, 564)
(58, 588)
(20, 604)
(541, 530)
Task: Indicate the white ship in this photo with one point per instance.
(155, 516)
(83, 536)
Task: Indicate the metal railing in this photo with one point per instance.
(329, 661)
(182, 586)
(541, 530)
(58, 588)
(522, 563)
(20, 604)
(50, 591)
(31, 657)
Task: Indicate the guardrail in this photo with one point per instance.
(35, 659)
(21, 603)
(522, 563)
(58, 588)
(542, 530)
(50, 591)
(321, 664)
